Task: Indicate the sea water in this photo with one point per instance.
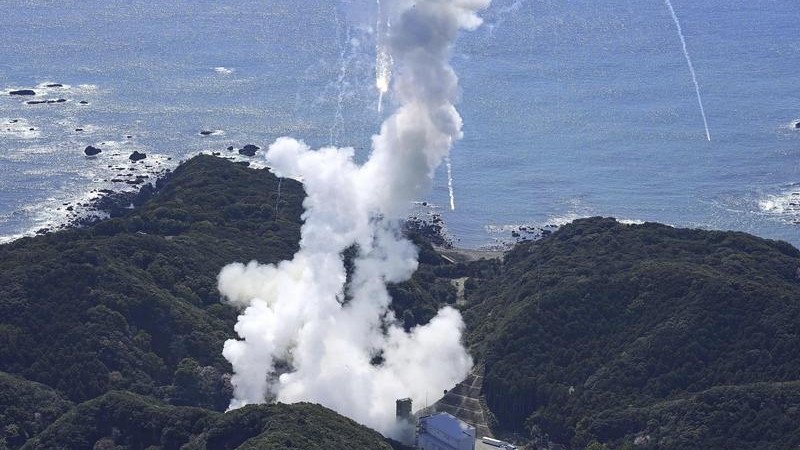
(570, 109)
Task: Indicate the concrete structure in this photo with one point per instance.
(405, 420)
(465, 401)
(403, 409)
(443, 431)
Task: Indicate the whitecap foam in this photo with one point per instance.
(501, 229)
(564, 219)
(117, 145)
(85, 129)
(52, 85)
(531, 227)
(18, 129)
(97, 176)
(631, 221)
(11, 238)
(45, 88)
(223, 70)
(87, 88)
(784, 205)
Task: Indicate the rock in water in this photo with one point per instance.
(91, 151)
(249, 150)
(206, 133)
(797, 125)
(136, 156)
(22, 92)
(54, 85)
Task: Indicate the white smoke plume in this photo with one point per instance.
(307, 335)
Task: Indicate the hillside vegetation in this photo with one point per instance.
(605, 333)
(123, 420)
(600, 335)
(111, 335)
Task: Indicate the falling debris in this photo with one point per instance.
(691, 66)
(450, 183)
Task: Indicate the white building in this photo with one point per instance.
(442, 431)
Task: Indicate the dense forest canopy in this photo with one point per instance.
(605, 332)
(111, 335)
(600, 335)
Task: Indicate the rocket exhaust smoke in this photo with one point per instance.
(305, 333)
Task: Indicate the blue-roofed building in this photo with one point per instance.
(443, 431)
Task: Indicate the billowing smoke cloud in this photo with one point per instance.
(306, 334)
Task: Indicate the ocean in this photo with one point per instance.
(571, 109)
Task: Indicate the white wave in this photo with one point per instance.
(551, 222)
(87, 88)
(562, 220)
(223, 70)
(11, 238)
(18, 129)
(631, 221)
(785, 205)
(498, 229)
(97, 175)
(52, 86)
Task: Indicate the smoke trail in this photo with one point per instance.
(450, 183)
(691, 66)
(306, 333)
(344, 62)
(502, 13)
(383, 59)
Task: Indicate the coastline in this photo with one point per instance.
(107, 204)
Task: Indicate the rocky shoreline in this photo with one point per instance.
(111, 203)
(138, 187)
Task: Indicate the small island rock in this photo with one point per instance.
(22, 92)
(249, 150)
(92, 151)
(136, 156)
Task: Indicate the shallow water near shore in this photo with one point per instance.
(570, 109)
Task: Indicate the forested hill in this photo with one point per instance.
(111, 335)
(600, 335)
(606, 334)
